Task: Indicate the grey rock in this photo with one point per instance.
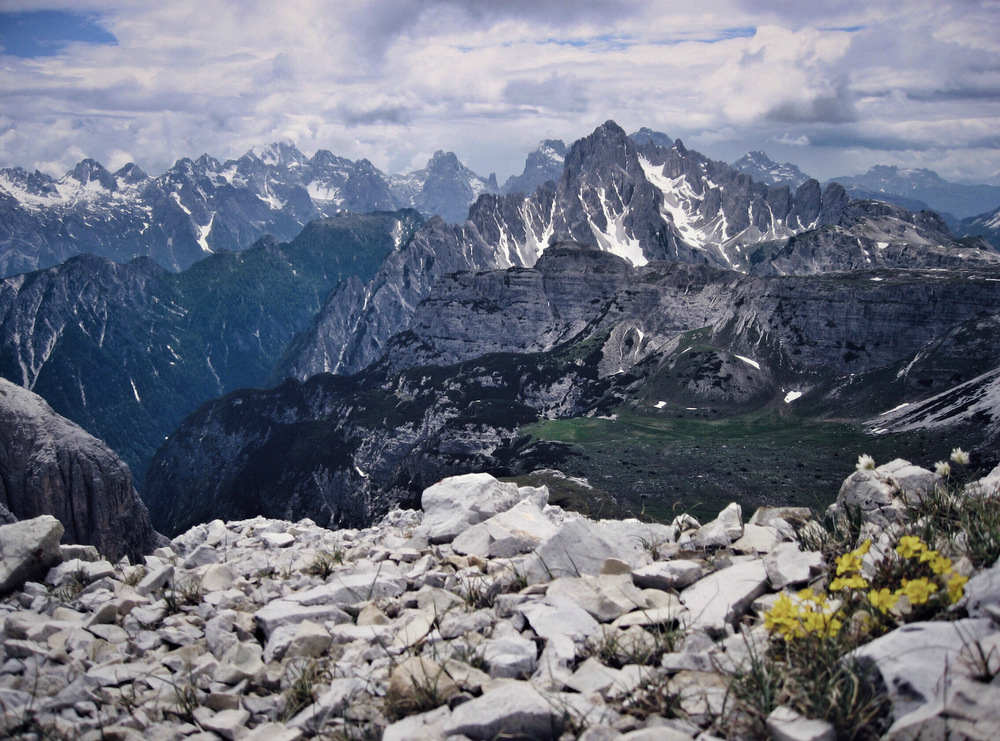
(29, 549)
(784, 724)
(913, 659)
(512, 656)
(674, 574)
(513, 709)
(51, 466)
(721, 598)
(454, 504)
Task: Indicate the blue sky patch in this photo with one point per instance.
(44, 33)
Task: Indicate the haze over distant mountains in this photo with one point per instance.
(202, 206)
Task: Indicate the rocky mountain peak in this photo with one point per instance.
(131, 174)
(90, 170)
(646, 135)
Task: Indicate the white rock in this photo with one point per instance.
(758, 539)
(452, 505)
(513, 709)
(519, 529)
(664, 575)
(309, 640)
(288, 612)
(913, 659)
(227, 723)
(273, 732)
(556, 616)
(786, 565)
(580, 547)
(217, 577)
(155, 579)
(277, 540)
(511, 656)
(427, 726)
(604, 597)
(28, 549)
(721, 598)
(784, 724)
(242, 661)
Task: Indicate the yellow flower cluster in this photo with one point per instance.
(809, 615)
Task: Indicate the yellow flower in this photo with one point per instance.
(960, 457)
(855, 581)
(808, 595)
(820, 623)
(862, 550)
(918, 590)
(848, 563)
(940, 564)
(882, 600)
(956, 587)
(910, 545)
(783, 617)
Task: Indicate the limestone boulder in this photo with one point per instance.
(512, 710)
(455, 504)
(29, 548)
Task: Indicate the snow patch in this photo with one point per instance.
(660, 404)
(792, 396)
(748, 361)
(896, 409)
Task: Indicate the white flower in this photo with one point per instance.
(866, 463)
(960, 457)
(942, 468)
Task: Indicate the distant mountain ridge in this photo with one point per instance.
(202, 206)
(765, 170)
(641, 203)
(919, 184)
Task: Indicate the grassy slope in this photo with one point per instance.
(658, 464)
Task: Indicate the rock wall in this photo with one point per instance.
(48, 465)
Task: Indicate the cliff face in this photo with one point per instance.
(48, 465)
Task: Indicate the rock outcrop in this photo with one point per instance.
(50, 466)
(267, 629)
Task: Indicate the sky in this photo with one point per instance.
(834, 86)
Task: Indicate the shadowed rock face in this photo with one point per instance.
(48, 465)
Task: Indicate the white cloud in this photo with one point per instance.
(792, 141)
(394, 80)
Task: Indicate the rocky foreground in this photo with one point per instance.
(489, 614)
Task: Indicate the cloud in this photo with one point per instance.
(792, 141)
(392, 80)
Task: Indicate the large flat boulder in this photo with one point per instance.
(456, 503)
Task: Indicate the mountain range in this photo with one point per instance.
(645, 295)
(126, 351)
(205, 205)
